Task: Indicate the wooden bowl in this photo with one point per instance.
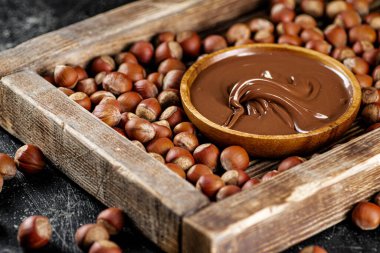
(270, 146)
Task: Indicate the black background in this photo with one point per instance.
(52, 194)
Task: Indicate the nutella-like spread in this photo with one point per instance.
(272, 93)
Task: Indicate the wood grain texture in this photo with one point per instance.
(97, 158)
(294, 206)
(110, 32)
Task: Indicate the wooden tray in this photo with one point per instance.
(172, 213)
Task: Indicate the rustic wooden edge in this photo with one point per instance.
(111, 31)
(294, 206)
(101, 161)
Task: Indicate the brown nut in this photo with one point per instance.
(238, 31)
(377, 196)
(120, 131)
(264, 36)
(65, 76)
(99, 77)
(305, 21)
(103, 63)
(313, 249)
(108, 113)
(184, 127)
(157, 79)
(87, 234)
(361, 6)
(128, 101)
(172, 114)
(172, 79)
(82, 74)
(171, 64)
(162, 131)
(320, 46)
(362, 46)
(158, 157)
(234, 158)
(87, 86)
(148, 109)
(146, 89)
(291, 4)
(342, 53)
(30, 159)
(227, 191)
(259, 24)
(105, 246)
(209, 184)
(176, 169)
(181, 157)
(313, 33)
(289, 163)
(365, 81)
(160, 146)
(335, 7)
(164, 37)
(82, 99)
(288, 28)
(166, 50)
(117, 83)
(281, 13)
(169, 97)
(125, 57)
(376, 74)
(366, 215)
(269, 175)
(348, 19)
(66, 91)
(134, 71)
(112, 101)
(336, 35)
(196, 171)
(371, 113)
(362, 32)
(369, 129)
(190, 43)
(139, 129)
(186, 140)
(112, 219)
(207, 154)
(235, 177)
(314, 8)
(139, 145)
(100, 95)
(244, 42)
(372, 56)
(250, 183)
(290, 40)
(34, 232)
(357, 65)
(370, 95)
(143, 51)
(374, 21)
(213, 43)
(7, 167)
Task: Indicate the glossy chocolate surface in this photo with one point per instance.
(271, 93)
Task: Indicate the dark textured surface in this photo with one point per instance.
(53, 194)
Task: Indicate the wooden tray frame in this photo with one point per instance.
(172, 213)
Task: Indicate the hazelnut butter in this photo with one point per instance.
(271, 93)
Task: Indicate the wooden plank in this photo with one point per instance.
(97, 158)
(110, 32)
(292, 207)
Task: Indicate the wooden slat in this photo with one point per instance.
(97, 158)
(292, 207)
(110, 32)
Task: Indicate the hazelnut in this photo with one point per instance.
(34, 232)
(143, 51)
(128, 101)
(87, 86)
(164, 37)
(314, 8)
(82, 99)
(213, 43)
(362, 32)
(173, 114)
(235, 177)
(105, 246)
(30, 159)
(234, 158)
(112, 219)
(146, 89)
(176, 169)
(291, 4)
(166, 50)
(120, 131)
(366, 215)
(108, 113)
(269, 175)
(374, 21)
(169, 97)
(250, 183)
(162, 123)
(377, 196)
(66, 91)
(196, 171)
(134, 71)
(320, 46)
(335, 7)
(369, 129)
(162, 131)
(160, 146)
(226, 191)
(148, 109)
(125, 57)
(281, 13)
(361, 46)
(244, 42)
(99, 77)
(172, 79)
(264, 36)
(238, 31)
(336, 35)
(371, 113)
(372, 56)
(117, 83)
(209, 184)
(207, 154)
(361, 6)
(357, 65)
(342, 53)
(156, 78)
(259, 24)
(190, 43)
(103, 63)
(171, 64)
(313, 249)
(288, 28)
(184, 127)
(112, 101)
(305, 21)
(348, 19)
(365, 81)
(289, 162)
(181, 157)
(370, 95)
(158, 157)
(7, 167)
(186, 140)
(87, 234)
(82, 74)
(65, 76)
(98, 96)
(290, 40)
(376, 74)
(49, 78)
(139, 145)
(313, 33)
(139, 129)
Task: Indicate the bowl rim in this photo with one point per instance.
(333, 63)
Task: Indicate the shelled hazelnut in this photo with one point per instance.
(34, 232)
(7, 167)
(234, 158)
(112, 219)
(30, 159)
(366, 215)
(87, 234)
(105, 246)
